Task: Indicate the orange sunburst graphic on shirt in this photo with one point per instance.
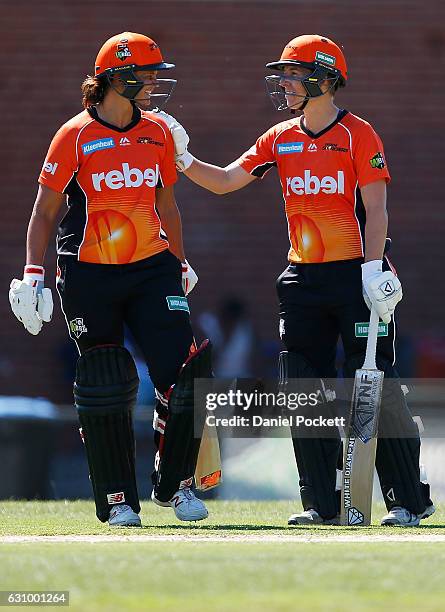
(110, 238)
(306, 238)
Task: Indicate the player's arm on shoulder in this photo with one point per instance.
(41, 224)
(217, 179)
(374, 201)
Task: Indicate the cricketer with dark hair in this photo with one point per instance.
(121, 261)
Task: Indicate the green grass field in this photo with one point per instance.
(259, 561)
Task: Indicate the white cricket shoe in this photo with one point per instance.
(401, 517)
(187, 507)
(122, 515)
(310, 517)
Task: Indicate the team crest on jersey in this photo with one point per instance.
(122, 50)
(378, 161)
(77, 327)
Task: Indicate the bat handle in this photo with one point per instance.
(371, 345)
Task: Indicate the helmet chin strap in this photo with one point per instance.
(303, 104)
(132, 86)
(307, 98)
(293, 109)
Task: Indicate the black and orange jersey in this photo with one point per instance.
(110, 176)
(321, 176)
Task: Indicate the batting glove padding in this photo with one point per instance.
(31, 303)
(382, 290)
(183, 158)
(189, 277)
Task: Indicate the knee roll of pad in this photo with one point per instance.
(105, 393)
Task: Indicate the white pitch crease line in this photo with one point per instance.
(296, 539)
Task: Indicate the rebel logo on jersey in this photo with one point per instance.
(311, 184)
(321, 180)
(110, 182)
(129, 177)
(50, 168)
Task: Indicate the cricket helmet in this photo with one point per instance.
(125, 53)
(320, 55)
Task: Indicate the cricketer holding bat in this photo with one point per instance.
(114, 166)
(333, 177)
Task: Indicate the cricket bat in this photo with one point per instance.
(361, 437)
(208, 473)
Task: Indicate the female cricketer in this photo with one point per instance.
(120, 261)
(333, 176)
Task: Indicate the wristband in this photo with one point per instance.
(34, 275)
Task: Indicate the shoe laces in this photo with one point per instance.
(118, 509)
(188, 494)
(398, 512)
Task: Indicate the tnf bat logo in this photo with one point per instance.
(363, 418)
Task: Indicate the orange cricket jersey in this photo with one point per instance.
(110, 176)
(321, 176)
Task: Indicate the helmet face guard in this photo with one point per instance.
(162, 88)
(311, 83)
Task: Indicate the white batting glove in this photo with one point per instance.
(189, 277)
(183, 158)
(382, 290)
(30, 301)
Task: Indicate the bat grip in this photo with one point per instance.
(371, 345)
